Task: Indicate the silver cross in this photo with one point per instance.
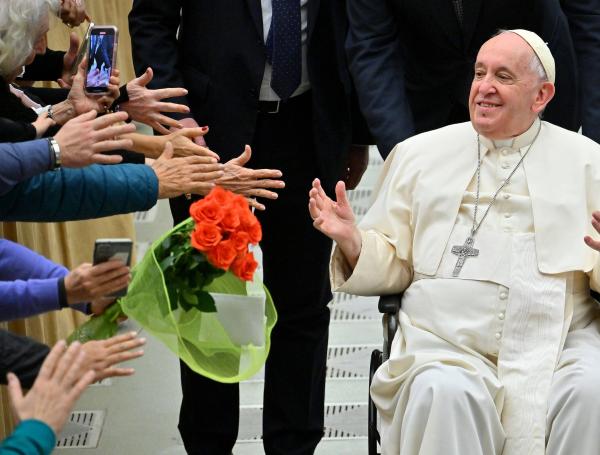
(463, 252)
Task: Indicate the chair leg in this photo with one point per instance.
(373, 434)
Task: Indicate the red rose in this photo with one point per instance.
(254, 231)
(205, 236)
(222, 255)
(244, 266)
(240, 240)
(231, 220)
(207, 211)
(240, 202)
(220, 195)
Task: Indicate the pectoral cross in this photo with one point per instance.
(463, 252)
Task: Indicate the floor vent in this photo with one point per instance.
(145, 217)
(82, 431)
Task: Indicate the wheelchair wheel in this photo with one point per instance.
(373, 434)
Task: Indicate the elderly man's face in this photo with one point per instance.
(506, 94)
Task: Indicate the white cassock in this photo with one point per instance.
(504, 359)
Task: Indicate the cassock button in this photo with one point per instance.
(501, 315)
(498, 335)
(507, 215)
(503, 295)
(505, 165)
(506, 196)
(504, 152)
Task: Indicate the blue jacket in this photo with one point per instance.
(77, 194)
(31, 437)
(21, 161)
(29, 283)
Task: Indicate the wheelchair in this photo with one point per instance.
(388, 305)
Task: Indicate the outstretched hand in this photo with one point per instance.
(146, 105)
(589, 241)
(335, 219)
(251, 183)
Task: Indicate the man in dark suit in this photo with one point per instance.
(272, 75)
(412, 60)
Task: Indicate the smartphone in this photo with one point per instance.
(108, 249)
(83, 47)
(102, 53)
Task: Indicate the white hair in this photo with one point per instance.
(20, 24)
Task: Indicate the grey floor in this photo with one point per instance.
(138, 415)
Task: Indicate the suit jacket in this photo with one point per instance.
(413, 63)
(219, 56)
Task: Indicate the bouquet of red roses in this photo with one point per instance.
(199, 290)
(216, 241)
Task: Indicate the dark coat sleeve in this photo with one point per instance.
(22, 356)
(584, 23)
(45, 67)
(377, 66)
(78, 194)
(13, 131)
(153, 27)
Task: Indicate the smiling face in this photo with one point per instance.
(506, 94)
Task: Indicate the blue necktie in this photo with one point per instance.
(284, 47)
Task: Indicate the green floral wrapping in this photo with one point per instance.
(229, 345)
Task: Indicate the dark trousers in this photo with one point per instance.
(296, 258)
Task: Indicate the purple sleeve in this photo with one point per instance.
(28, 282)
(22, 161)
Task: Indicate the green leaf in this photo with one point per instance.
(167, 262)
(189, 297)
(166, 243)
(206, 303)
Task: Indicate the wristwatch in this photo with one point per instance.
(50, 112)
(54, 153)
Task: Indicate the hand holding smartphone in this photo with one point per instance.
(113, 249)
(102, 53)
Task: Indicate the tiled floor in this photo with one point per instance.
(139, 415)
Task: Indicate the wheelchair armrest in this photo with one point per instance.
(390, 304)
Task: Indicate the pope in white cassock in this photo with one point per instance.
(486, 228)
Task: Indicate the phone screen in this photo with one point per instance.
(101, 48)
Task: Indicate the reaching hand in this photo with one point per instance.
(88, 282)
(184, 145)
(102, 355)
(66, 79)
(589, 241)
(251, 183)
(60, 382)
(185, 175)
(82, 102)
(42, 123)
(335, 219)
(83, 139)
(145, 105)
(189, 122)
(72, 12)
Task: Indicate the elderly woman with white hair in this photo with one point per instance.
(23, 27)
